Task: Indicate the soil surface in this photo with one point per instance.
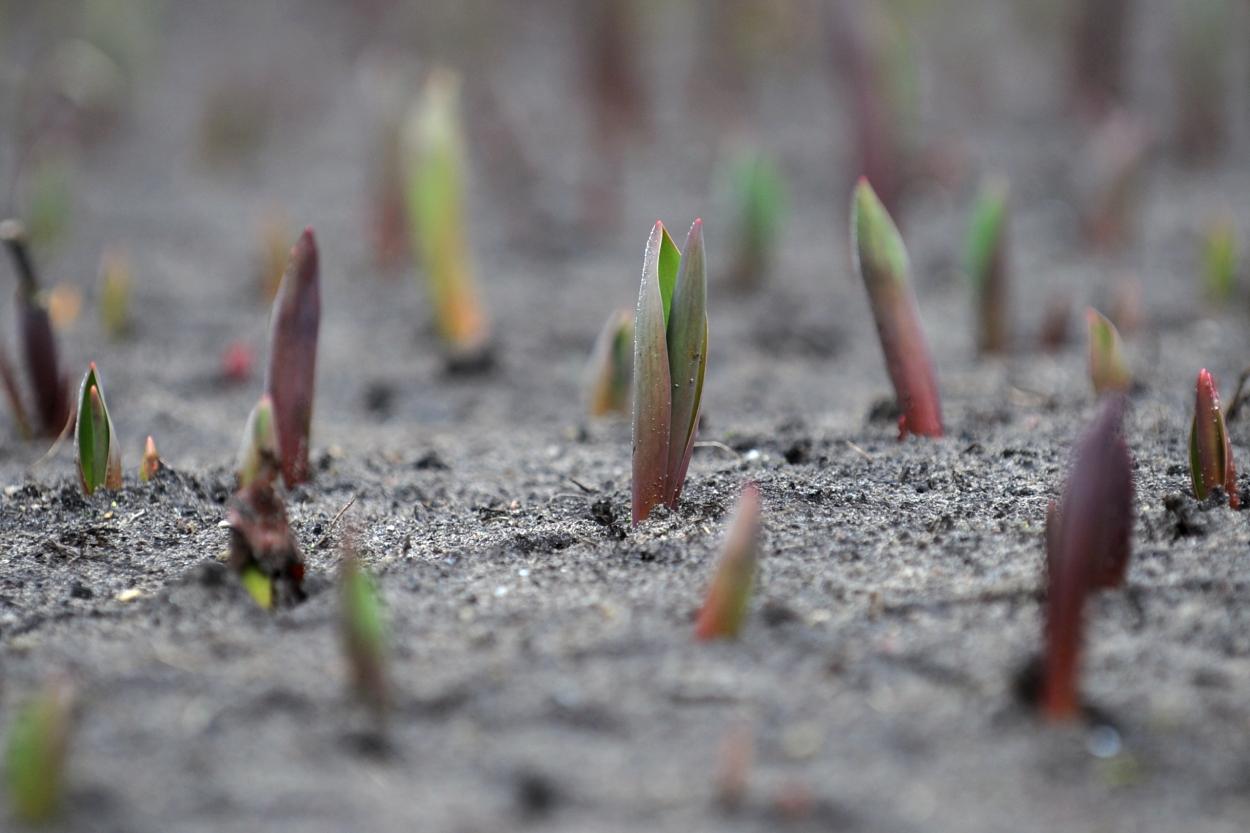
(542, 655)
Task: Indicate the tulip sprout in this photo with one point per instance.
(725, 608)
(670, 354)
(1087, 548)
(263, 552)
(34, 764)
(435, 159)
(882, 263)
(757, 191)
(98, 451)
(610, 371)
(1220, 255)
(1210, 450)
(1108, 368)
(363, 627)
(151, 462)
(987, 252)
(259, 440)
(293, 357)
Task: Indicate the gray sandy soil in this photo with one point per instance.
(545, 671)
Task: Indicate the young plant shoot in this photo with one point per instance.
(610, 371)
(151, 462)
(435, 158)
(95, 441)
(259, 440)
(883, 265)
(1087, 548)
(987, 266)
(725, 607)
(1210, 450)
(757, 193)
(34, 762)
(293, 357)
(51, 386)
(263, 552)
(115, 293)
(1220, 256)
(1108, 368)
(363, 627)
(670, 353)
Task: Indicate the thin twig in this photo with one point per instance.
(56, 446)
(853, 447)
(330, 528)
(1238, 397)
(715, 444)
(587, 489)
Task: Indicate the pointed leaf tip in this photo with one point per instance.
(724, 608)
(1210, 449)
(1108, 366)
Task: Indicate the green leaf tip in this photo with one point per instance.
(725, 606)
(34, 764)
(880, 258)
(98, 454)
(1108, 367)
(670, 355)
(1210, 449)
(364, 632)
(1221, 257)
(986, 264)
(609, 373)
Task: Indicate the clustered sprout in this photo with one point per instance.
(882, 263)
(670, 355)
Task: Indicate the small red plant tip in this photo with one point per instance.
(151, 462)
(1210, 451)
(293, 357)
(236, 362)
(882, 263)
(1087, 548)
(725, 607)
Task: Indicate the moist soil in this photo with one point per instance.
(543, 663)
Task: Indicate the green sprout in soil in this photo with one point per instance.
(263, 553)
(363, 626)
(293, 357)
(115, 293)
(986, 260)
(259, 440)
(151, 462)
(725, 608)
(1108, 368)
(95, 442)
(877, 62)
(51, 386)
(34, 762)
(435, 185)
(610, 371)
(757, 194)
(1220, 256)
(1087, 548)
(670, 354)
(1210, 450)
(881, 260)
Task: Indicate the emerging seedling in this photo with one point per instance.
(757, 194)
(259, 440)
(882, 263)
(151, 462)
(263, 553)
(34, 762)
(1210, 450)
(610, 371)
(363, 627)
(115, 292)
(50, 385)
(98, 451)
(726, 605)
(1108, 368)
(435, 159)
(670, 354)
(1087, 548)
(987, 265)
(1221, 259)
(293, 357)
